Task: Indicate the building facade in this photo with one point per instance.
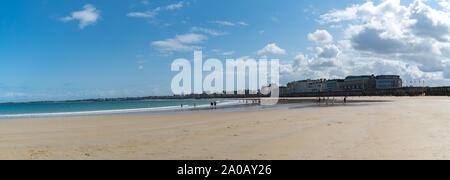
(334, 85)
(284, 91)
(359, 83)
(388, 82)
(307, 86)
(350, 83)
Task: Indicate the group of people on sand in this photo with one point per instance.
(214, 105)
(333, 100)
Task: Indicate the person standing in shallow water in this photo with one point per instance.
(215, 105)
(212, 105)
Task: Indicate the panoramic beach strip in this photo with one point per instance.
(213, 83)
(365, 128)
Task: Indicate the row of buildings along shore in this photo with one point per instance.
(350, 83)
(365, 85)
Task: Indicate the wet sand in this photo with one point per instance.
(387, 128)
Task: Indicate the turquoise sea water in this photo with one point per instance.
(88, 108)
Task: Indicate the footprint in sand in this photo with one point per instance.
(36, 154)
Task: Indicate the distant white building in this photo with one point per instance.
(307, 86)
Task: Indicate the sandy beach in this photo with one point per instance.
(403, 128)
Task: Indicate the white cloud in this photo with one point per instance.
(175, 6)
(191, 38)
(225, 23)
(153, 13)
(242, 23)
(228, 53)
(321, 37)
(325, 58)
(223, 53)
(89, 15)
(305, 67)
(445, 4)
(171, 45)
(271, 49)
(447, 70)
(228, 23)
(207, 31)
(340, 15)
(180, 43)
(415, 35)
(328, 51)
(412, 40)
(429, 22)
(147, 14)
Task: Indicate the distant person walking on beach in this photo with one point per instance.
(345, 100)
(212, 105)
(215, 105)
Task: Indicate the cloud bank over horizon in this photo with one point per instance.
(385, 38)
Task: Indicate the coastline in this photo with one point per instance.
(223, 105)
(130, 111)
(389, 128)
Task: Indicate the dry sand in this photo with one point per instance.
(406, 128)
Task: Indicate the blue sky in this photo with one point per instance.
(54, 50)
